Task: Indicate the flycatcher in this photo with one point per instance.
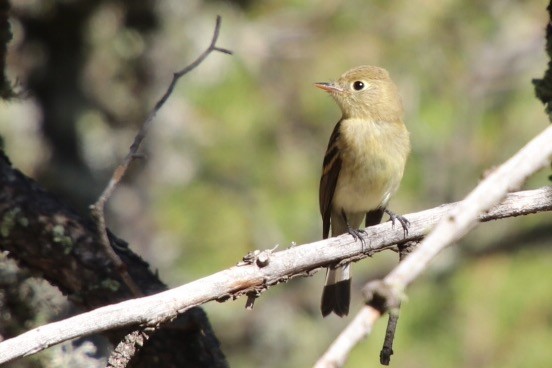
(363, 165)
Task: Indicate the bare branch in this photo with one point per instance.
(536, 155)
(254, 277)
(358, 329)
(98, 208)
(456, 221)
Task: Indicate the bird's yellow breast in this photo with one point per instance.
(373, 156)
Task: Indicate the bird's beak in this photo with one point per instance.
(328, 87)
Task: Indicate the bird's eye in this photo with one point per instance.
(358, 85)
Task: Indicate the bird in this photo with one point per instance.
(362, 168)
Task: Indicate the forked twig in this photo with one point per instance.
(98, 208)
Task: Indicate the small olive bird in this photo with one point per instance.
(363, 165)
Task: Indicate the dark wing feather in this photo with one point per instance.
(328, 181)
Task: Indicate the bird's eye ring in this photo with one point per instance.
(359, 85)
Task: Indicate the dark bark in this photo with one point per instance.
(51, 239)
(6, 90)
(543, 86)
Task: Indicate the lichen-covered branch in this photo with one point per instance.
(46, 236)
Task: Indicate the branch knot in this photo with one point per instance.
(381, 296)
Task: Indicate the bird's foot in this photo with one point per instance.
(357, 235)
(403, 221)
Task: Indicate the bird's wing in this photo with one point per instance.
(328, 181)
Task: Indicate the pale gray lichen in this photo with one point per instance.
(62, 239)
(10, 219)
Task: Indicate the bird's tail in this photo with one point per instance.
(337, 291)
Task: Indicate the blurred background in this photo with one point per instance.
(233, 159)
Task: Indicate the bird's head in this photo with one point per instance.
(365, 92)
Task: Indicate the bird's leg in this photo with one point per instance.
(355, 233)
(403, 220)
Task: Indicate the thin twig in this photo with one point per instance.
(249, 276)
(98, 208)
(358, 329)
(387, 349)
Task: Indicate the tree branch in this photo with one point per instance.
(386, 294)
(358, 329)
(50, 239)
(460, 220)
(255, 276)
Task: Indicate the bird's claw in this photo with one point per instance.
(403, 221)
(357, 235)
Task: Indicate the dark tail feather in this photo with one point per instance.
(336, 295)
(336, 298)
